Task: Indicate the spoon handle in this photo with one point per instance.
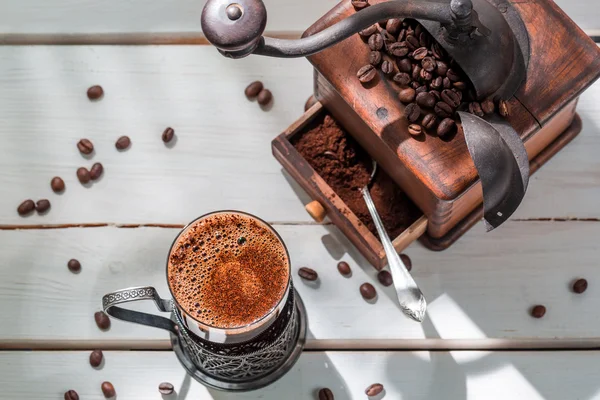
(411, 299)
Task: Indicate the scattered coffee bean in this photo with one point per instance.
(366, 74)
(407, 95)
(451, 98)
(414, 129)
(398, 49)
(96, 171)
(402, 78)
(419, 54)
(580, 286)
(166, 388)
(429, 121)
(367, 291)
(326, 394)
(374, 389)
(253, 89)
(387, 67)
(376, 41)
(308, 274)
(367, 32)
(71, 395)
(74, 265)
(96, 358)
(168, 134)
(453, 76)
(407, 261)
(108, 390)
(538, 311)
(95, 92)
(344, 268)
(264, 97)
(359, 4)
(503, 108)
(412, 112)
(425, 99)
(102, 320)
(85, 146)
(393, 25)
(42, 205)
(412, 42)
(488, 106)
(446, 127)
(57, 184)
(404, 65)
(312, 100)
(385, 278)
(442, 109)
(83, 175)
(475, 109)
(123, 143)
(26, 207)
(375, 57)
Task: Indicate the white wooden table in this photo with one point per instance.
(120, 228)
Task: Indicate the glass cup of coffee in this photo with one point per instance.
(236, 321)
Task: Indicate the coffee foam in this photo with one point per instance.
(228, 270)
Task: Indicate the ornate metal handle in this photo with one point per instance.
(110, 300)
(235, 27)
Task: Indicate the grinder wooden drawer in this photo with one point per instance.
(338, 212)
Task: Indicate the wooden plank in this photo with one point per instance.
(404, 375)
(222, 158)
(139, 16)
(479, 291)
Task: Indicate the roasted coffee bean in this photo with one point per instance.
(453, 76)
(42, 205)
(418, 29)
(367, 32)
(71, 395)
(374, 389)
(412, 42)
(446, 83)
(388, 38)
(425, 76)
(460, 85)
(102, 320)
(438, 52)
(83, 175)
(108, 390)
(96, 171)
(26, 207)
(442, 68)
(424, 39)
(416, 72)
(344, 268)
(488, 106)
(85, 146)
(366, 74)
(74, 265)
(446, 127)
(429, 121)
(359, 4)
(538, 311)
(402, 35)
(264, 97)
(367, 291)
(475, 109)
(414, 129)
(375, 57)
(326, 394)
(415, 85)
(428, 64)
(393, 25)
(96, 358)
(425, 99)
(436, 94)
(402, 78)
(412, 112)
(458, 93)
(312, 100)
(376, 41)
(404, 65)
(421, 89)
(580, 286)
(407, 95)
(308, 274)
(57, 184)
(398, 49)
(420, 54)
(442, 109)
(168, 134)
(387, 67)
(253, 89)
(123, 142)
(95, 92)
(384, 277)
(450, 98)
(166, 388)
(407, 261)
(503, 108)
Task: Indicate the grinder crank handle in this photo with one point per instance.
(236, 28)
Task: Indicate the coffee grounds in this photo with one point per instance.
(346, 167)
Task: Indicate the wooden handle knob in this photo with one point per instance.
(316, 211)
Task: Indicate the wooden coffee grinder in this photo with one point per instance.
(528, 54)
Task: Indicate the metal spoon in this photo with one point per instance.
(411, 299)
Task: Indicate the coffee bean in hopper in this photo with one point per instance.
(538, 311)
(102, 320)
(57, 184)
(96, 358)
(308, 274)
(580, 286)
(168, 134)
(74, 265)
(374, 389)
(123, 143)
(83, 175)
(96, 171)
(253, 89)
(326, 394)
(85, 146)
(368, 291)
(385, 278)
(71, 395)
(488, 106)
(503, 108)
(95, 92)
(166, 388)
(264, 97)
(42, 206)
(344, 268)
(366, 74)
(475, 109)
(26, 207)
(108, 390)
